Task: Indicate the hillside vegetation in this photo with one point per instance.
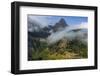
(63, 49)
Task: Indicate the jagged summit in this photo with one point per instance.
(62, 22)
(60, 25)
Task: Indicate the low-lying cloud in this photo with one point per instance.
(68, 34)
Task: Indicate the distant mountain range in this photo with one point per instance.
(57, 26)
(35, 30)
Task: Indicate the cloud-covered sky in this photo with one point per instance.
(51, 20)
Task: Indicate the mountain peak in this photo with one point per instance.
(62, 22)
(60, 25)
